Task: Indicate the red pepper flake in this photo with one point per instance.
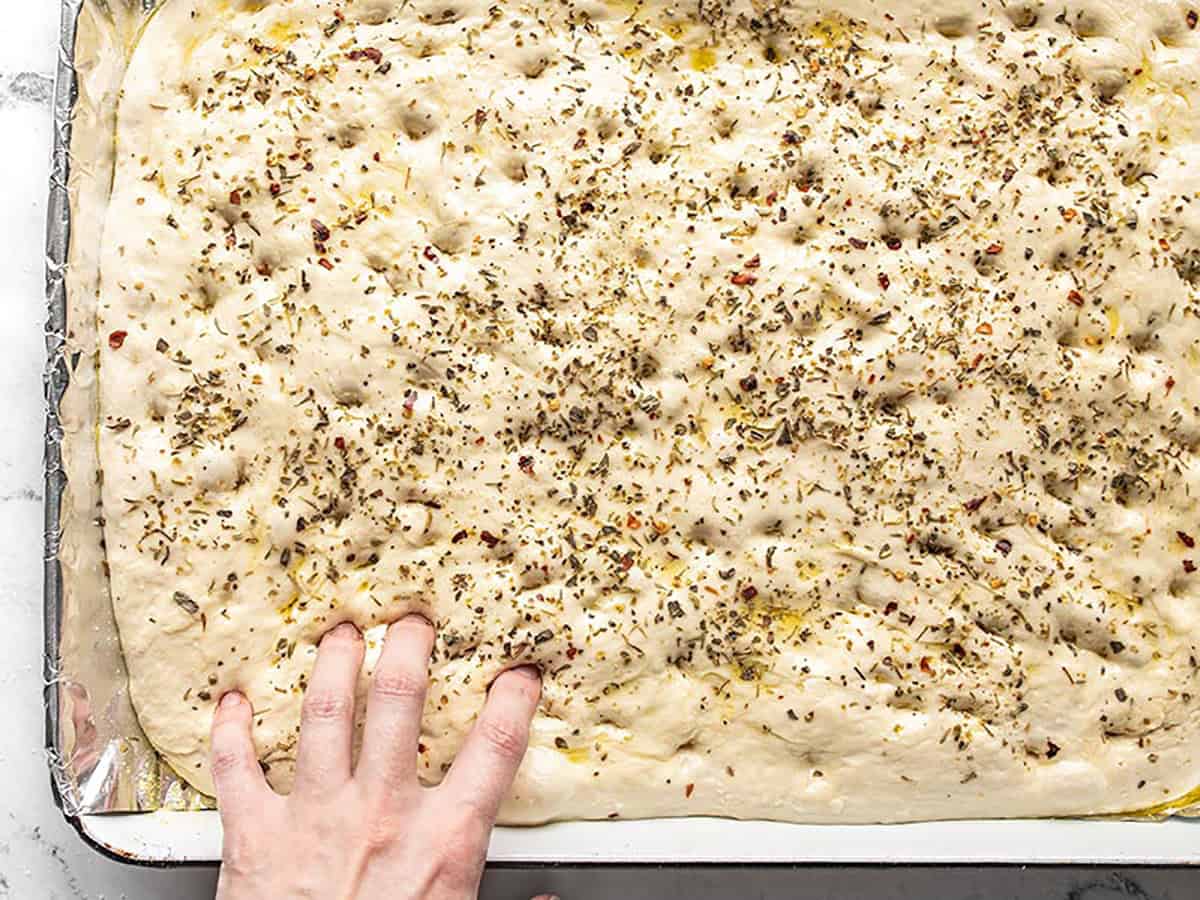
(791, 138)
(749, 592)
(276, 188)
(633, 522)
(1192, 18)
(117, 338)
(1075, 297)
(687, 791)
(983, 328)
(339, 442)
(754, 262)
(1068, 214)
(858, 243)
(365, 53)
(1004, 546)
(925, 666)
(893, 243)
(1189, 566)
(459, 536)
(320, 232)
(421, 748)
(772, 197)
(627, 561)
(1170, 383)
(972, 505)
(891, 607)
(325, 264)
(1162, 242)
(994, 249)
(488, 538)
(884, 281)
(429, 254)
(525, 464)
(410, 402)
(235, 197)
(743, 278)
(1052, 749)
(1186, 539)
(572, 652)
(748, 384)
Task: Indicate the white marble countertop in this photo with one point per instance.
(41, 857)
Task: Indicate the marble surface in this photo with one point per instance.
(41, 857)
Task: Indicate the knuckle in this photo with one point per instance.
(505, 739)
(462, 860)
(228, 761)
(327, 706)
(402, 686)
(381, 832)
(238, 852)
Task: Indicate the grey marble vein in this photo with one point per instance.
(1114, 886)
(22, 494)
(26, 87)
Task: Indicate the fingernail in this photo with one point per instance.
(530, 672)
(345, 631)
(417, 616)
(230, 700)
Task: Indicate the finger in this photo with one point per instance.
(488, 761)
(240, 783)
(327, 717)
(397, 699)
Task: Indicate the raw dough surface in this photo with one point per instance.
(809, 388)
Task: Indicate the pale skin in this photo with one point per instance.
(367, 830)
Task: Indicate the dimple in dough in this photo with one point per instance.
(809, 389)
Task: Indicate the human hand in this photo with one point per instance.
(374, 831)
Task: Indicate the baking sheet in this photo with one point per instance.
(101, 762)
(196, 837)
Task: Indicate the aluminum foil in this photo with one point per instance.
(100, 760)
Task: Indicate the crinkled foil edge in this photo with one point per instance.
(100, 760)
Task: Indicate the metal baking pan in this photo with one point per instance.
(107, 779)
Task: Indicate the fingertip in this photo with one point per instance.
(233, 761)
(232, 708)
(526, 680)
(345, 631)
(413, 621)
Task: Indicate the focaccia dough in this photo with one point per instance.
(808, 388)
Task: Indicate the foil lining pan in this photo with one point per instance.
(100, 761)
